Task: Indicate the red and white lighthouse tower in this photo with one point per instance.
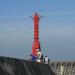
(36, 43)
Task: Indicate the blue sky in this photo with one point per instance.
(57, 28)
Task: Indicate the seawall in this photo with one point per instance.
(13, 66)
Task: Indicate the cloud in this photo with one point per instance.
(58, 32)
(43, 14)
(15, 16)
(59, 13)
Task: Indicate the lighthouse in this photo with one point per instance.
(36, 48)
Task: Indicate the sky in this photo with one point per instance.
(57, 28)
